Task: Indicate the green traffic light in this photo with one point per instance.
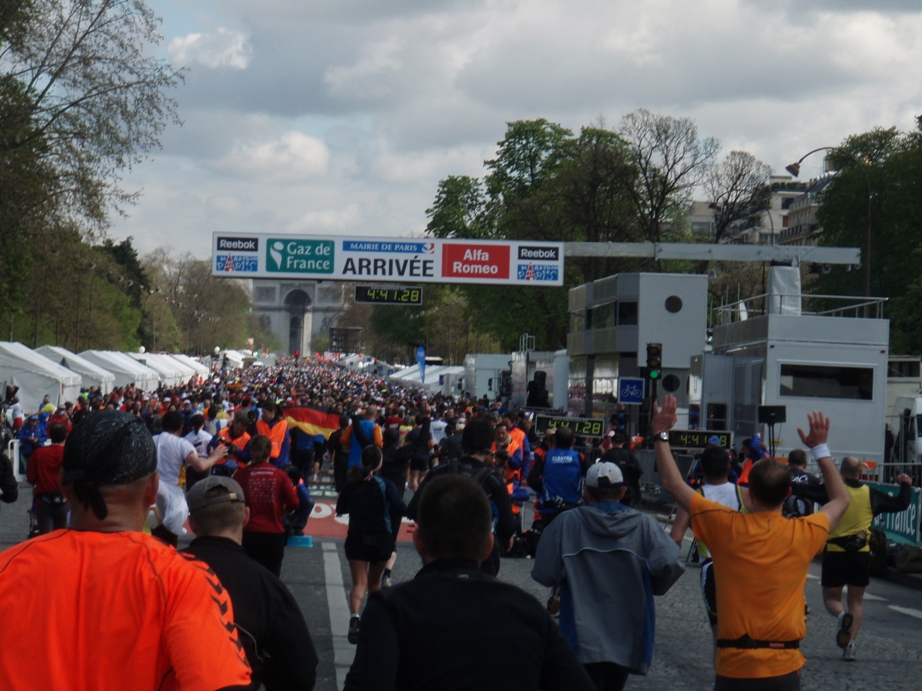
(654, 374)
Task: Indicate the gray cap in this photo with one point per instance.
(604, 474)
(214, 489)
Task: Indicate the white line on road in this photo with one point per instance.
(874, 598)
(907, 610)
(343, 650)
(812, 577)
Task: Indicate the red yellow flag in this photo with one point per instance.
(312, 421)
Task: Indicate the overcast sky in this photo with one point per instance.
(341, 116)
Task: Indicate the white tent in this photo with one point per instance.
(93, 375)
(168, 372)
(234, 358)
(200, 369)
(410, 376)
(126, 370)
(185, 371)
(36, 376)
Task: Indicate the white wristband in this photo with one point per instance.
(820, 451)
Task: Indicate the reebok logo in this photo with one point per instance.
(239, 244)
(548, 254)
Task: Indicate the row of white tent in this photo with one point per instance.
(60, 374)
(438, 378)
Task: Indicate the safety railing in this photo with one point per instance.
(799, 304)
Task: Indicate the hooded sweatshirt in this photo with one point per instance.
(610, 561)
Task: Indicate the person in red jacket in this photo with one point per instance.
(49, 504)
(269, 496)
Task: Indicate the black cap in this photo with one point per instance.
(108, 447)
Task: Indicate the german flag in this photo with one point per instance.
(312, 421)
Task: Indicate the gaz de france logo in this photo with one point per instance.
(300, 256)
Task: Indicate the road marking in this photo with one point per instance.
(907, 610)
(343, 650)
(874, 598)
(812, 577)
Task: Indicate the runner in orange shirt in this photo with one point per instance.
(103, 606)
(760, 560)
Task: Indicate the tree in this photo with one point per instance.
(671, 161)
(208, 311)
(892, 161)
(738, 191)
(97, 100)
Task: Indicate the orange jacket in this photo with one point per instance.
(276, 435)
(240, 442)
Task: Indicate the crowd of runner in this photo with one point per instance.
(236, 454)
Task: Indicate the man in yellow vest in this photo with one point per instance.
(847, 558)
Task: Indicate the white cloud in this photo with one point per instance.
(292, 157)
(220, 48)
(343, 115)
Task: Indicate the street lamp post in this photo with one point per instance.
(794, 169)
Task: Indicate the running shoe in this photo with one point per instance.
(843, 635)
(385, 581)
(354, 629)
(850, 652)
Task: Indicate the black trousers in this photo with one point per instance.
(607, 676)
(50, 518)
(266, 548)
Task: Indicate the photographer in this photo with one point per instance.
(847, 558)
(235, 438)
(763, 568)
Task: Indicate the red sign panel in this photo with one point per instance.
(475, 261)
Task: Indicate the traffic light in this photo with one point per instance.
(297, 355)
(654, 361)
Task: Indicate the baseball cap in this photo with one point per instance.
(214, 489)
(604, 474)
(714, 439)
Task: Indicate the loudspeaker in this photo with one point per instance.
(772, 414)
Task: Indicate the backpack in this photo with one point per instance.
(480, 477)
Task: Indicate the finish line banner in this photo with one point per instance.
(264, 255)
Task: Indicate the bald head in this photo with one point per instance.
(850, 468)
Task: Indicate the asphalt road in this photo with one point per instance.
(889, 653)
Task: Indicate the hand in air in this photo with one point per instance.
(665, 419)
(819, 429)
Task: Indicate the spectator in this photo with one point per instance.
(453, 627)
(152, 611)
(274, 634)
(607, 542)
(49, 504)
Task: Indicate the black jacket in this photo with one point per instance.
(8, 484)
(270, 621)
(881, 502)
(454, 628)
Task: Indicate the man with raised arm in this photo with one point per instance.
(760, 559)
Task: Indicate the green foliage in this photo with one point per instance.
(893, 163)
(545, 183)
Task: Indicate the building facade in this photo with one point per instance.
(297, 311)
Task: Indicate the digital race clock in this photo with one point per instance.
(389, 296)
(581, 426)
